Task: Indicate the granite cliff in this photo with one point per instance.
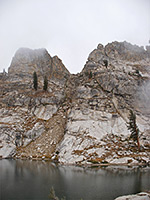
(81, 118)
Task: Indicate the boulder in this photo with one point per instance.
(139, 196)
(45, 112)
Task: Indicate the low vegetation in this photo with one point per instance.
(53, 196)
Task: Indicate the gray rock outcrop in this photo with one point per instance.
(139, 196)
(88, 111)
(26, 61)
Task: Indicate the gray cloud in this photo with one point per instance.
(70, 29)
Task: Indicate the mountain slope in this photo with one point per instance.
(94, 107)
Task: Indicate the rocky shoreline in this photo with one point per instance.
(139, 196)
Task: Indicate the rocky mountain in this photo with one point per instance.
(26, 61)
(81, 118)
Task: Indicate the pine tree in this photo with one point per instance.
(105, 63)
(90, 75)
(133, 128)
(45, 83)
(35, 81)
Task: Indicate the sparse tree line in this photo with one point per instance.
(35, 82)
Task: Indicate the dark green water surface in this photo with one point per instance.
(32, 180)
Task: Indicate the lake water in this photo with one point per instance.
(32, 180)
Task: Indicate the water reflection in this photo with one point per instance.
(24, 180)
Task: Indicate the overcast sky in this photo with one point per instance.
(70, 29)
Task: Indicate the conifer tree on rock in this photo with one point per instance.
(105, 63)
(35, 81)
(45, 83)
(133, 128)
(90, 75)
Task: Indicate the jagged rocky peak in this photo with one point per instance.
(117, 53)
(58, 69)
(125, 51)
(26, 61)
(123, 70)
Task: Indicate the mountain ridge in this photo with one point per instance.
(89, 109)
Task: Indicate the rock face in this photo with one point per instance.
(24, 111)
(26, 61)
(82, 118)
